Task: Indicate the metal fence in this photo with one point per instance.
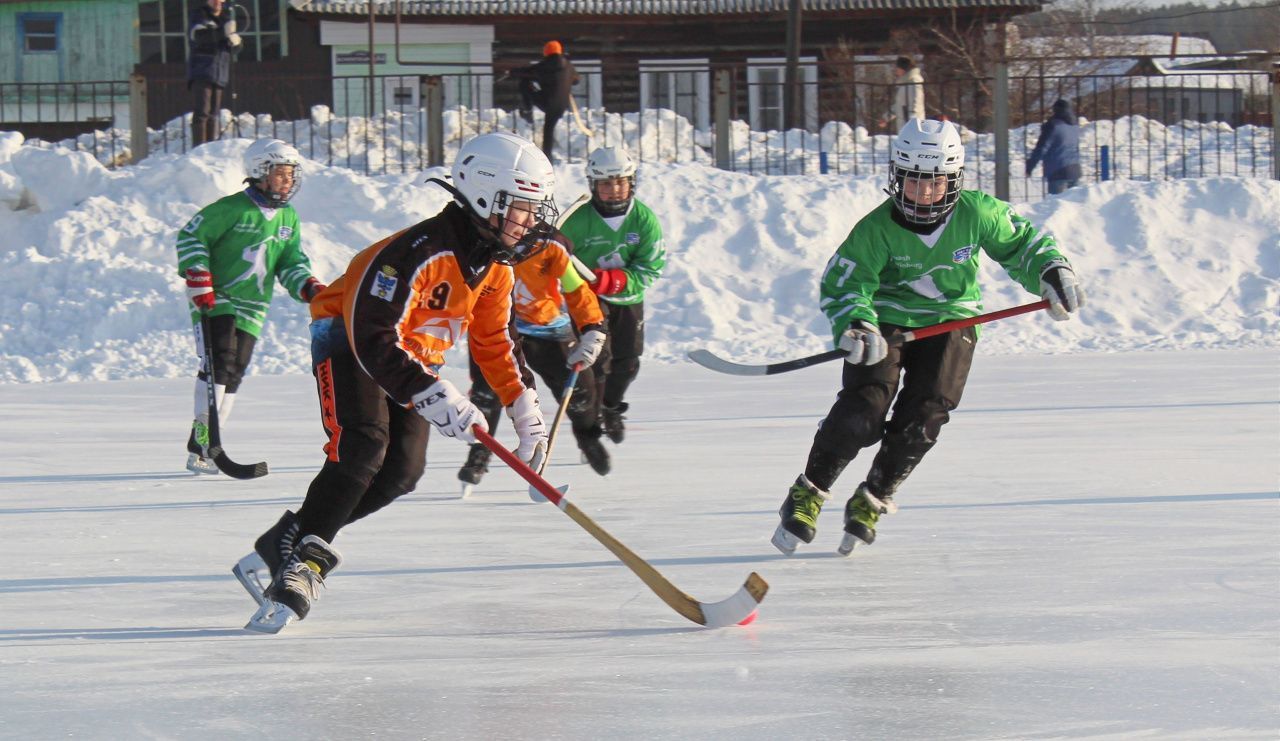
(1144, 127)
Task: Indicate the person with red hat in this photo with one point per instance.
(547, 84)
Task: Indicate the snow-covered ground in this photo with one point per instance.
(1089, 552)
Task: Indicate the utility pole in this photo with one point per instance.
(793, 85)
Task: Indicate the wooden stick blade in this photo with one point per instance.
(738, 607)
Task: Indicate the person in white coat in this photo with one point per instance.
(908, 99)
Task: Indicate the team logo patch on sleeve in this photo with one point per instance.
(384, 283)
(963, 254)
(633, 238)
(284, 232)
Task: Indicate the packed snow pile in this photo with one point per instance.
(92, 292)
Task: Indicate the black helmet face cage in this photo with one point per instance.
(534, 239)
(917, 213)
(613, 208)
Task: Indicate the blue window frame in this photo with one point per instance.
(39, 33)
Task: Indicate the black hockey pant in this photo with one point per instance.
(547, 358)
(619, 362)
(376, 449)
(933, 372)
(232, 350)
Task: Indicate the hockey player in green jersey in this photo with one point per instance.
(231, 254)
(912, 262)
(620, 240)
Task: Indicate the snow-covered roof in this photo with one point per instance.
(634, 7)
(1248, 82)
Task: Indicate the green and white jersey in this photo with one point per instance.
(886, 274)
(635, 246)
(247, 248)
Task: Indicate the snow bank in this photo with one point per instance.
(91, 289)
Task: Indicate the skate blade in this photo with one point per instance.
(467, 490)
(536, 495)
(847, 544)
(785, 541)
(271, 618)
(249, 571)
(207, 468)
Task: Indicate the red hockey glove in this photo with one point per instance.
(311, 289)
(200, 289)
(609, 282)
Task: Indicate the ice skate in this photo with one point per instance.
(298, 586)
(196, 443)
(799, 513)
(612, 418)
(595, 455)
(474, 469)
(256, 570)
(860, 517)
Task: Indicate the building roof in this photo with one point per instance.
(635, 7)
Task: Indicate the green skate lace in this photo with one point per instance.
(202, 433)
(806, 505)
(863, 512)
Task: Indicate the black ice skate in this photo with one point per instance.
(861, 515)
(799, 513)
(272, 549)
(475, 468)
(613, 420)
(595, 455)
(297, 586)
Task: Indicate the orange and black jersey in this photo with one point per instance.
(547, 280)
(408, 298)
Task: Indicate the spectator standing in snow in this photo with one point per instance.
(214, 41)
(548, 85)
(1059, 148)
(908, 98)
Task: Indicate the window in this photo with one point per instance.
(40, 32)
(766, 88)
(587, 93)
(680, 85)
(163, 26)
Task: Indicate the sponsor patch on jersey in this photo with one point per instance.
(284, 232)
(963, 254)
(633, 238)
(384, 283)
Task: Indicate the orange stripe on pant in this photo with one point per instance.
(328, 408)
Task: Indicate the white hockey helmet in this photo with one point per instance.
(608, 163)
(263, 155)
(494, 169)
(924, 150)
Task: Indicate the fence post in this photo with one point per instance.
(720, 106)
(1275, 121)
(1105, 165)
(138, 144)
(1000, 114)
(432, 94)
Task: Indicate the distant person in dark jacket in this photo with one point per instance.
(548, 85)
(214, 41)
(1059, 147)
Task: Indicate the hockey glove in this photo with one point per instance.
(864, 343)
(200, 289)
(1059, 286)
(451, 412)
(229, 30)
(609, 282)
(588, 348)
(526, 417)
(311, 289)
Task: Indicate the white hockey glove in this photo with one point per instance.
(526, 417)
(864, 343)
(1058, 284)
(229, 30)
(452, 413)
(588, 348)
